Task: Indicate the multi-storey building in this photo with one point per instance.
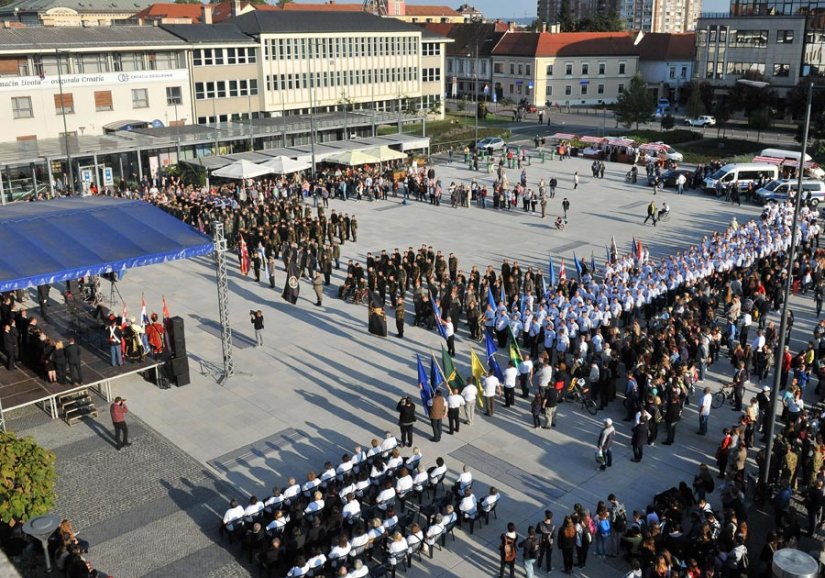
(659, 15)
(666, 62)
(569, 68)
(70, 12)
(95, 82)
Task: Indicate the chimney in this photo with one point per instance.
(544, 26)
(140, 22)
(155, 22)
(206, 14)
(555, 28)
(236, 8)
(511, 26)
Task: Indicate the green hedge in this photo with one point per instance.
(670, 137)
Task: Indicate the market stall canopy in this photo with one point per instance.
(242, 170)
(770, 160)
(653, 146)
(386, 154)
(619, 141)
(353, 158)
(285, 166)
(563, 136)
(592, 139)
(74, 237)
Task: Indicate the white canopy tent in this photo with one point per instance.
(282, 165)
(242, 170)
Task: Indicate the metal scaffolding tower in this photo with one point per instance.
(376, 7)
(223, 301)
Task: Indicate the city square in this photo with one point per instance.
(322, 384)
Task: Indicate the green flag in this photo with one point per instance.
(514, 351)
(450, 372)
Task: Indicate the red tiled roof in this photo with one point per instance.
(544, 44)
(325, 7)
(223, 11)
(662, 46)
(427, 10)
(164, 10)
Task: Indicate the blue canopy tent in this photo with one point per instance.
(53, 241)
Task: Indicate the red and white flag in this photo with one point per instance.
(562, 272)
(165, 309)
(144, 319)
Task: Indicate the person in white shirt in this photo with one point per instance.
(450, 517)
(704, 411)
(491, 387)
(328, 474)
(310, 485)
(434, 532)
(413, 461)
(437, 471)
(379, 469)
(449, 335)
(352, 509)
(345, 467)
(404, 483)
(386, 496)
(510, 377)
(359, 570)
(339, 553)
(278, 522)
(391, 521)
(376, 530)
(375, 448)
(300, 568)
(464, 481)
(273, 502)
(525, 375)
(316, 505)
(395, 460)
(233, 514)
(358, 457)
(360, 537)
(362, 484)
(489, 502)
(291, 492)
(454, 402)
(468, 508)
(470, 395)
(420, 479)
(317, 560)
(397, 548)
(254, 508)
(389, 443)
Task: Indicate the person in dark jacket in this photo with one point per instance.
(72, 352)
(406, 419)
(10, 347)
(639, 438)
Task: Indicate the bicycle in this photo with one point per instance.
(720, 397)
(579, 394)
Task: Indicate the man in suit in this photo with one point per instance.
(72, 352)
(43, 299)
(10, 346)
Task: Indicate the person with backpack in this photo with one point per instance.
(507, 549)
(530, 548)
(604, 533)
(618, 521)
(546, 530)
(584, 537)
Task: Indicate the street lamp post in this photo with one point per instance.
(312, 42)
(783, 323)
(475, 90)
(65, 126)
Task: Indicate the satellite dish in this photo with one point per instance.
(157, 123)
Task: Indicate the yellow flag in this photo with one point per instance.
(478, 374)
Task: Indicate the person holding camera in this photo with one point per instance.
(119, 411)
(257, 320)
(406, 420)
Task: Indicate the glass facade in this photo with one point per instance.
(814, 10)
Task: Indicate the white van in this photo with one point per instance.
(782, 189)
(744, 173)
(783, 154)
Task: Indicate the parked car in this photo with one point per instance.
(663, 102)
(704, 120)
(668, 178)
(671, 154)
(491, 143)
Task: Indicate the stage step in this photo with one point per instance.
(76, 405)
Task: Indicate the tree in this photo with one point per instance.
(706, 91)
(695, 106)
(668, 121)
(27, 478)
(566, 22)
(600, 23)
(635, 105)
(750, 99)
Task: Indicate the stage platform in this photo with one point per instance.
(24, 386)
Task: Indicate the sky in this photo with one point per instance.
(527, 8)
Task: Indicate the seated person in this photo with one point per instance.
(346, 489)
(449, 517)
(434, 531)
(273, 502)
(308, 488)
(379, 468)
(300, 568)
(278, 522)
(389, 443)
(391, 520)
(665, 210)
(345, 467)
(420, 479)
(363, 483)
(414, 459)
(375, 448)
(489, 501)
(404, 483)
(340, 551)
(560, 223)
(416, 536)
(317, 558)
(359, 570)
(468, 505)
(464, 481)
(437, 471)
(233, 514)
(291, 492)
(360, 537)
(386, 496)
(397, 547)
(328, 474)
(352, 509)
(395, 460)
(358, 457)
(254, 508)
(316, 505)
(377, 530)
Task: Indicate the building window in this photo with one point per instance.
(22, 107)
(64, 104)
(140, 98)
(568, 90)
(600, 89)
(751, 38)
(784, 36)
(585, 69)
(781, 69)
(527, 69)
(549, 70)
(672, 72)
(601, 68)
(568, 69)
(621, 88)
(622, 67)
(583, 89)
(174, 95)
(549, 90)
(683, 72)
(738, 68)
(520, 70)
(103, 100)
(498, 67)
(512, 69)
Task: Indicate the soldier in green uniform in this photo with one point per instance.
(353, 225)
(399, 317)
(318, 287)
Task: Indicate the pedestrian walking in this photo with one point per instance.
(639, 436)
(118, 411)
(507, 549)
(604, 444)
(257, 320)
(651, 213)
(406, 420)
(438, 409)
(575, 180)
(565, 205)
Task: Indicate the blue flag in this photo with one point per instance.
(578, 265)
(522, 303)
(435, 375)
(438, 323)
(552, 275)
(503, 298)
(491, 358)
(490, 299)
(424, 386)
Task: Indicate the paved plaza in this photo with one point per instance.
(322, 384)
